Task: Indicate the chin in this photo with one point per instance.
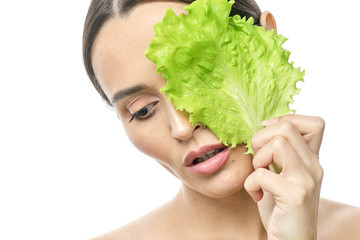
(226, 182)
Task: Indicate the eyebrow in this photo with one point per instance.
(126, 92)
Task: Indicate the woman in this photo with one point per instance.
(238, 199)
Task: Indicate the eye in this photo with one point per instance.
(145, 112)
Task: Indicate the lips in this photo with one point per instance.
(207, 159)
(207, 155)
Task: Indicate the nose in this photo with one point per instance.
(181, 128)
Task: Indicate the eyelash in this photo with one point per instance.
(141, 115)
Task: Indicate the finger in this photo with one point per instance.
(310, 127)
(266, 205)
(264, 180)
(287, 130)
(280, 151)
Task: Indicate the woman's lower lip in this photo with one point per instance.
(212, 164)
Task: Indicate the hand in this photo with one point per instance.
(288, 202)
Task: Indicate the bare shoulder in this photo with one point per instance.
(151, 226)
(338, 221)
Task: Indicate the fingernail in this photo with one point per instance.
(270, 122)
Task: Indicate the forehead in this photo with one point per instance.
(118, 50)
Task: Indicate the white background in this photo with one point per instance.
(67, 170)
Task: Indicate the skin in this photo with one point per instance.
(243, 200)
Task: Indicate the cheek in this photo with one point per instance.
(150, 138)
(232, 177)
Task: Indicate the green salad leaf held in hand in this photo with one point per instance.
(227, 73)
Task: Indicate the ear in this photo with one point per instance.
(267, 20)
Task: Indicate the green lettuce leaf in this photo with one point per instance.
(227, 73)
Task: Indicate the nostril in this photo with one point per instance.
(199, 125)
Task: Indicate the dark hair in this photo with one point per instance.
(100, 11)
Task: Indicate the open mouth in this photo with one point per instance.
(207, 159)
(207, 155)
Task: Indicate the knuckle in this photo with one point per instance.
(286, 126)
(319, 123)
(310, 185)
(304, 189)
(304, 192)
(248, 182)
(309, 182)
(319, 172)
(310, 188)
(260, 172)
(279, 143)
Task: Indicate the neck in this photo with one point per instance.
(234, 216)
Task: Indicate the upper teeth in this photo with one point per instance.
(207, 156)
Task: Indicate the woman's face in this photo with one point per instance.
(151, 123)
